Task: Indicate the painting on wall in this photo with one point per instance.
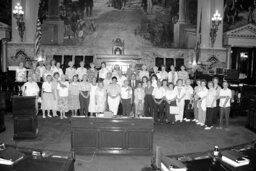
(238, 13)
(94, 23)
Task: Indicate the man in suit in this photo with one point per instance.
(133, 84)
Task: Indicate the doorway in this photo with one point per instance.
(243, 60)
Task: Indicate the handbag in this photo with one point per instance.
(174, 110)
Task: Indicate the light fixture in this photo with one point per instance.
(18, 13)
(216, 20)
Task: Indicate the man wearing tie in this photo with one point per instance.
(133, 84)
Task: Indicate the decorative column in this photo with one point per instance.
(4, 55)
(30, 18)
(228, 57)
(180, 26)
(53, 26)
(181, 11)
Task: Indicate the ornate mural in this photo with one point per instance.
(238, 13)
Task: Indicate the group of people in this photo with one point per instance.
(168, 97)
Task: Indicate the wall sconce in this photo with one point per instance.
(18, 13)
(216, 20)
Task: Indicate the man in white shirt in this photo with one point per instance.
(158, 97)
(188, 101)
(30, 88)
(143, 72)
(225, 95)
(126, 98)
(81, 71)
(113, 92)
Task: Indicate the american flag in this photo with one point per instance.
(38, 37)
(198, 41)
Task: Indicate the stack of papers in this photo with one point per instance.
(9, 156)
(234, 158)
(173, 165)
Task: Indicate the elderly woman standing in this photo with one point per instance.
(62, 91)
(92, 102)
(100, 98)
(70, 71)
(55, 83)
(34, 72)
(139, 96)
(103, 71)
(74, 104)
(183, 74)
(202, 104)
(181, 93)
(92, 73)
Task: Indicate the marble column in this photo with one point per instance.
(228, 57)
(4, 55)
(181, 11)
(53, 27)
(205, 7)
(31, 15)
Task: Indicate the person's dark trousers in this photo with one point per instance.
(148, 105)
(126, 104)
(187, 110)
(159, 111)
(120, 109)
(170, 117)
(224, 111)
(84, 104)
(209, 116)
(89, 10)
(216, 113)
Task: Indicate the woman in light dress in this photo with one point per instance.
(180, 99)
(55, 83)
(92, 103)
(100, 98)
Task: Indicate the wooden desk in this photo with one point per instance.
(112, 136)
(38, 163)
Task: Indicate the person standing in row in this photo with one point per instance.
(131, 70)
(103, 72)
(107, 80)
(188, 101)
(126, 98)
(34, 72)
(70, 71)
(158, 96)
(47, 72)
(148, 100)
(133, 83)
(53, 66)
(202, 104)
(84, 95)
(225, 96)
(144, 82)
(92, 102)
(139, 96)
(41, 68)
(81, 71)
(197, 89)
(21, 73)
(74, 103)
(180, 91)
(120, 78)
(172, 75)
(170, 100)
(47, 96)
(217, 87)
(55, 83)
(62, 92)
(114, 91)
(163, 75)
(143, 73)
(210, 106)
(30, 88)
(183, 74)
(92, 73)
(100, 97)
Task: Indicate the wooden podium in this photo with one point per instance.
(112, 136)
(25, 117)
